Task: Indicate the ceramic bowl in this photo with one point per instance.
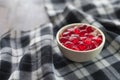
(79, 56)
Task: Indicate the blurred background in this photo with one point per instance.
(21, 14)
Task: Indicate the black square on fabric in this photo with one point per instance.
(25, 67)
(5, 42)
(25, 63)
(117, 66)
(59, 62)
(46, 54)
(118, 13)
(88, 7)
(72, 17)
(4, 76)
(99, 75)
(58, 1)
(5, 66)
(25, 40)
(111, 27)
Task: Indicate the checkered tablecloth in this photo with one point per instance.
(34, 54)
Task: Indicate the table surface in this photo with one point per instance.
(21, 14)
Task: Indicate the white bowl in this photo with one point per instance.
(79, 56)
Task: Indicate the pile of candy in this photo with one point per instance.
(81, 37)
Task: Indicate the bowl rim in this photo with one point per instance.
(69, 25)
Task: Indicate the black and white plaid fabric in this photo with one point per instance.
(34, 55)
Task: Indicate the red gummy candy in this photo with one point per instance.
(82, 47)
(68, 44)
(88, 41)
(63, 39)
(76, 30)
(89, 29)
(66, 34)
(74, 39)
(83, 27)
(82, 33)
(80, 38)
(99, 40)
(75, 48)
